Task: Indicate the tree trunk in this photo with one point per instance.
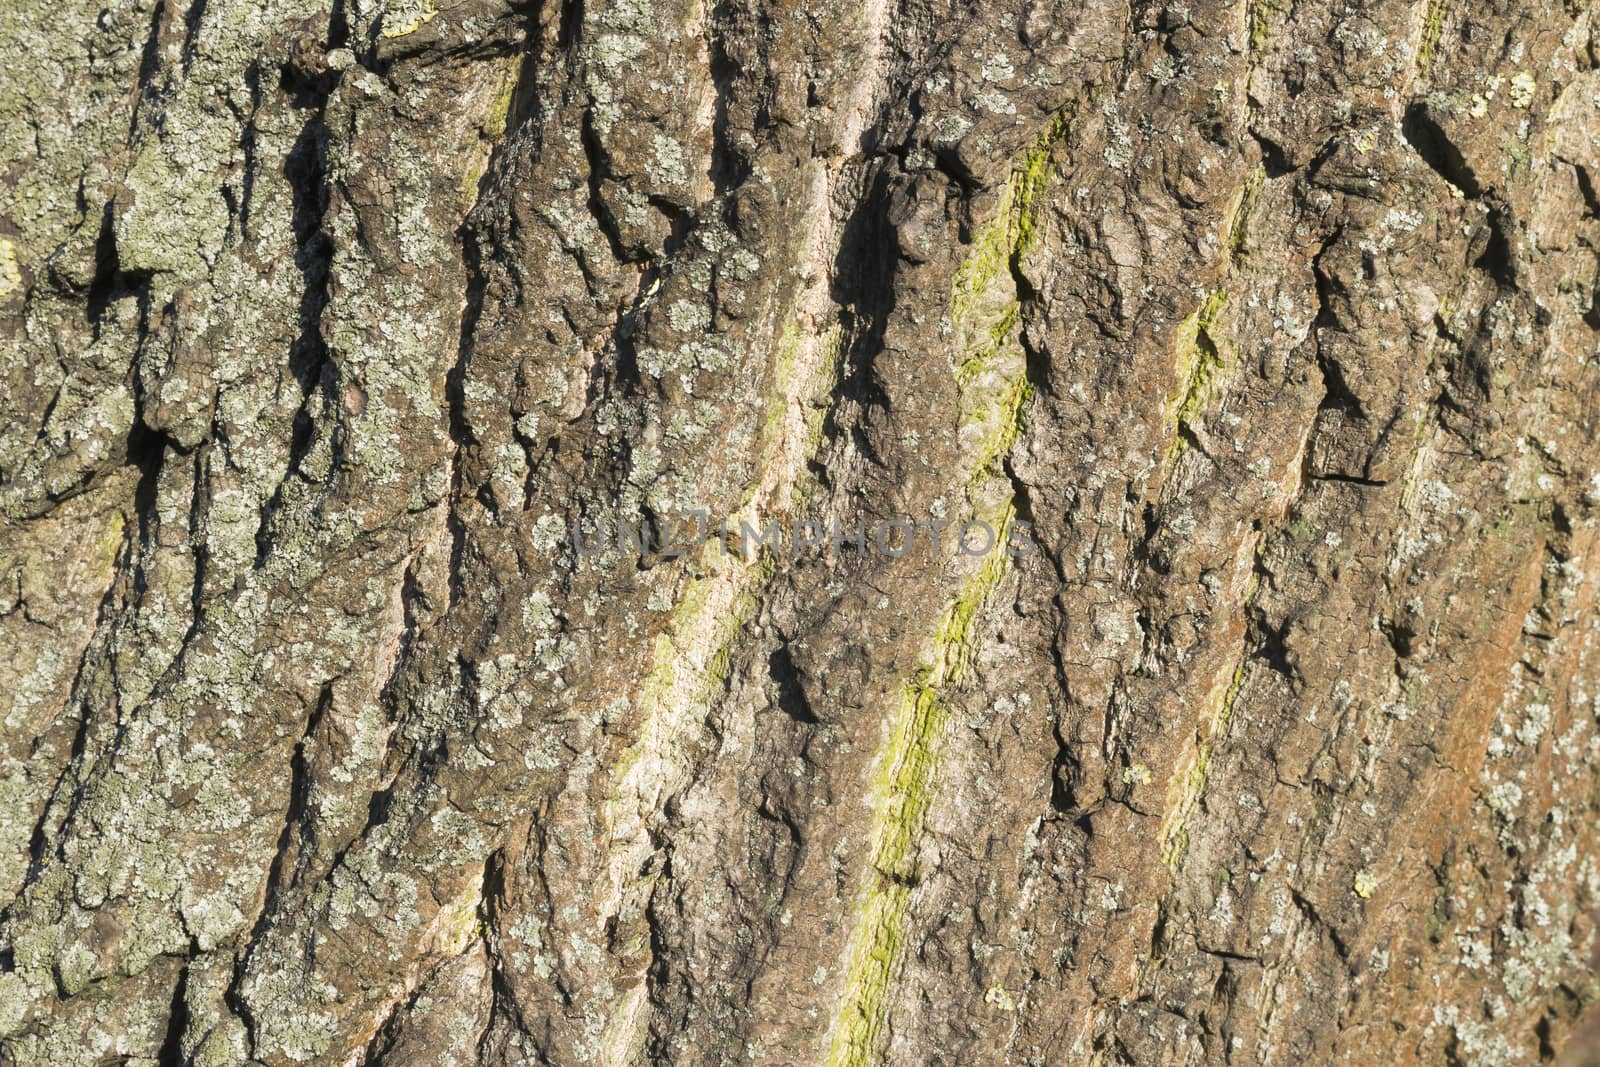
(799, 533)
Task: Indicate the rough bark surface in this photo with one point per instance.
(325, 322)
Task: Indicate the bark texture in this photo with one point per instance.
(324, 323)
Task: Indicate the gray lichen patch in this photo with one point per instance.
(325, 324)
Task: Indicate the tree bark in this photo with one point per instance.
(1175, 431)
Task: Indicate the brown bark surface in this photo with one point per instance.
(1264, 334)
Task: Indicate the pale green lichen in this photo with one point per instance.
(1030, 179)
(491, 131)
(176, 220)
(1199, 357)
(998, 246)
(405, 17)
(991, 378)
(1523, 89)
(1260, 15)
(999, 998)
(1237, 224)
(1189, 783)
(10, 272)
(692, 657)
(1432, 26)
(459, 922)
(791, 398)
(906, 790)
(1008, 411)
(494, 125)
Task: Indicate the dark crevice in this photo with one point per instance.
(147, 450)
(1348, 479)
(305, 169)
(1066, 770)
(1191, 441)
(599, 169)
(199, 509)
(864, 276)
(948, 162)
(1225, 954)
(862, 442)
(280, 875)
(1329, 293)
(1402, 638)
(524, 102)
(1064, 776)
(110, 282)
(786, 676)
(1274, 159)
(1036, 361)
(1586, 187)
(298, 830)
(309, 361)
(571, 27)
(904, 881)
(1423, 132)
(680, 223)
(475, 259)
(191, 31)
(729, 167)
(247, 145)
(624, 355)
(103, 284)
(379, 805)
(1498, 259)
(1336, 392)
(1147, 550)
(1273, 649)
(1309, 911)
(149, 62)
(338, 26)
(171, 1052)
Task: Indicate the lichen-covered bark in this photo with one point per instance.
(328, 321)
